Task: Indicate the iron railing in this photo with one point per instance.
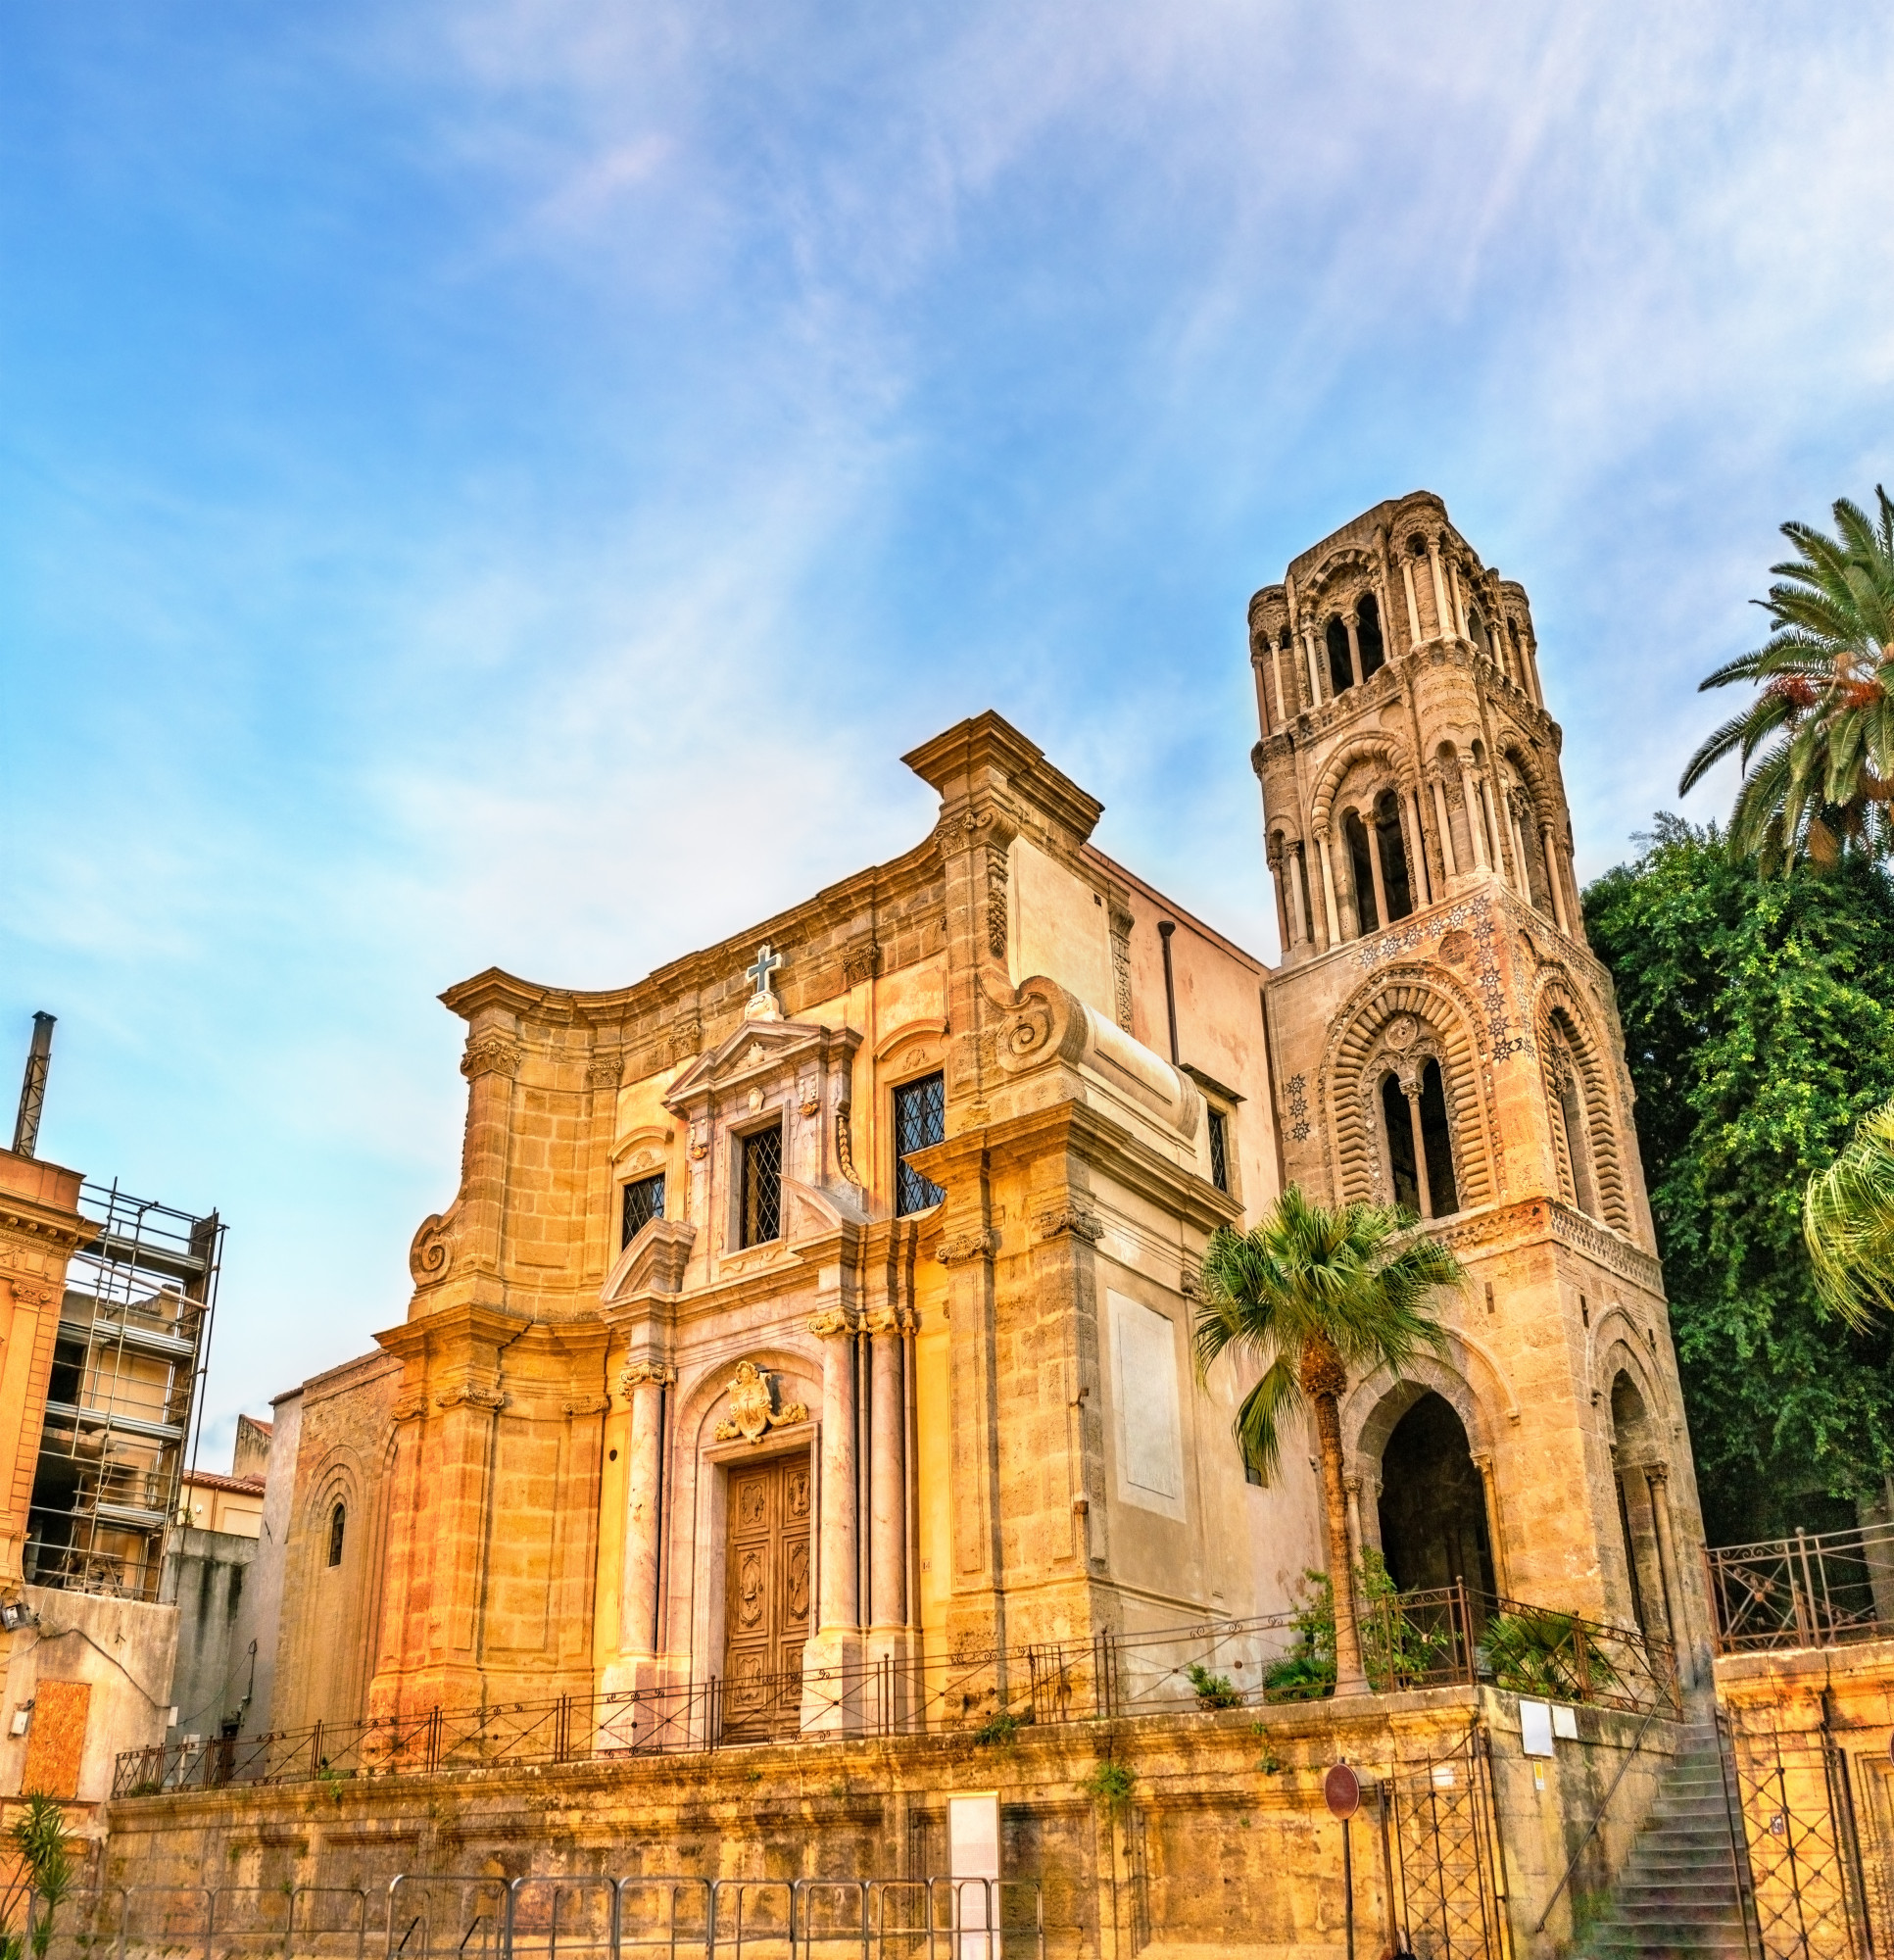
(1810, 1591)
(1453, 1636)
(584, 1917)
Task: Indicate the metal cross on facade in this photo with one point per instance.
(768, 962)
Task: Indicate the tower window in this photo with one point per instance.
(1420, 1144)
(1220, 1150)
(644, 1201)
(1393, 855)
(1571, 1117)
(338, 1524)
(920, 1119)
(762, 1187)
(1373, 653)
(1342, 675)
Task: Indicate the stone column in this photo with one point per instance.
(1375, 872)
(1459, 603)
(1315, 671)
(835, 1611)
(643, 1384)
(1657, 1483)
(1413, 604)
(887, 1480)
(1447, 858)
(1483, 1464)
(1411, 1089)
(1476, 816)
(1276, 669)
(1298, 907)
(1441, 612)
(833, 1650)
(1354, 649)
(1327, 891)
(1554, 877)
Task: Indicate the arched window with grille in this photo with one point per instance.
(1570, 1117)
(338, 1525)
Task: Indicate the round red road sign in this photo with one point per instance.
(1341, 1791)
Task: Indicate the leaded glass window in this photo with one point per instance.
(920, 1119)
(762, 1185)
(644, 1201)
(1220, 1150)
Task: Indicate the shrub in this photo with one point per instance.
(1110, 1784)
(1213, 1690)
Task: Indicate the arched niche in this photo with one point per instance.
(1432, 1509)
(1639, 1472)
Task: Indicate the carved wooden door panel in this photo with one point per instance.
(766, 1595)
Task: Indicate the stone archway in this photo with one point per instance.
(1640, 1479)
(1433, 1527)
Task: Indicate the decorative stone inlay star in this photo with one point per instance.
(753, 1406)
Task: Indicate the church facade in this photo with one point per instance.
(823, 1299)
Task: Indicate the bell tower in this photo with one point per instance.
(1444, 1039)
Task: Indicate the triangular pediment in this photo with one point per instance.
(758, 1050)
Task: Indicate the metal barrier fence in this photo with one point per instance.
(445, 1917)
(1804, 1591)
(1453, 1636)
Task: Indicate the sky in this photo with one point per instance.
(501, 482)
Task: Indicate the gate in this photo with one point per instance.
(1438, 1839)
(1813, 1896)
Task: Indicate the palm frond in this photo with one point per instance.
(1848, 1222)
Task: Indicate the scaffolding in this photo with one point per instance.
(122, 1399)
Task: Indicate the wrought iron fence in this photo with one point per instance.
(1809, 1590)
(1453, 1637)
(445, 1917)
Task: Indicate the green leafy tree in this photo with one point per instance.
(1848, 1222)
(1311, 1295)
(1823, 719)
(1759, 1024)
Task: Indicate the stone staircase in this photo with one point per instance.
(1677, 1896)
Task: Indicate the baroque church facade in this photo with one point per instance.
(823, 1299)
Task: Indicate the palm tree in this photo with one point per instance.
(1312, 1294)
(1825, 782)
(1848, 1222)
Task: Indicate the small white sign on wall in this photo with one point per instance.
(1536, 1728)
(1151, 1428)
(1565, 1722)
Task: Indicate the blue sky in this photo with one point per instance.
(503, 481)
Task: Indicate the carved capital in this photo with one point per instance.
(1081, 1224)
(861, 961)
(587, 1406)
(31, 1292)
(409, 1406)
(639, 1374)
(884, 1320)
(970, 1246)
(605, 1069)
(472, 1394)
(491, 1054)
(831, 1321)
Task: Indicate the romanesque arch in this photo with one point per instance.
(1405, 1020)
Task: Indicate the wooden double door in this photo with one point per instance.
(767, 1597)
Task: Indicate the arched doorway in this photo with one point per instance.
(1433, 1502)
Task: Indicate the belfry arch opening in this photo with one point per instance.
(1342, 675)
(1420, 1143)
(1393, 855)
(1433, 1529)
(1362, 871)
(1374, 652)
